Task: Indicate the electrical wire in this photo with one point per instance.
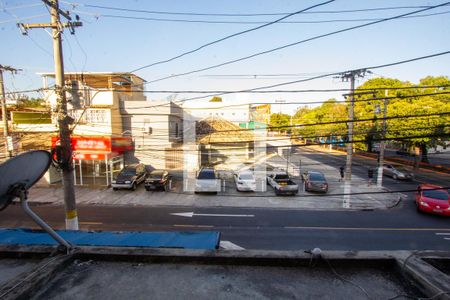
(244, 14)
(97, 15)
(294, 44)
(231, 36)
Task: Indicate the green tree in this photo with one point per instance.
(325, 116)
(278, 120)
(421, 132)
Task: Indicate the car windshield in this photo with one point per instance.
(436, 194)
(316, 177)
(282, 176)
(246, 176)
(128, 172)
(206, 174)
(156, 174)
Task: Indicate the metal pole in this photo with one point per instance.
(4, 113)
(63, 121)
(41, 223)
(381, 157)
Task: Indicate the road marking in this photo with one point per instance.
(442, 233)
(366, 228)
(227, 245)
(199, 226)
(91, 223)
(448, 239)
(192, 214)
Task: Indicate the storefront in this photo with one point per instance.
(97, 159)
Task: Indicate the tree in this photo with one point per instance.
(326, 114)
(278, 120)
(409, 131)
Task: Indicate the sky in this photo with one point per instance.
(107, 42)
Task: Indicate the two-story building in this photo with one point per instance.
(157, 130)
(99, 140)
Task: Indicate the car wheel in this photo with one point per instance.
(147, 189)
(395, 177)
(418, 209)
(115, 189)
(134, 186)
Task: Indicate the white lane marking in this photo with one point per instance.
(442, 233)
(448, 239)
(227, 245)
(192, 214)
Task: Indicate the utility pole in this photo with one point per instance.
(350, 76)
(64, 120)
(381, 157)
(8, 151)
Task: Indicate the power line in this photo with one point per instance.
(254, 92)
(318, 77)
(250, 22)
(231, 36)
(292, 44)
(244, 14)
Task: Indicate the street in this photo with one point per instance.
(398, 228)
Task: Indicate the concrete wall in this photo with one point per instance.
(155, 126)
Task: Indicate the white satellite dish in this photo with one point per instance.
(20, 173)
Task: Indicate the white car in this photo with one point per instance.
(245, 181)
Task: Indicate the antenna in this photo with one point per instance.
(18, 175)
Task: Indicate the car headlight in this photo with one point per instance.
(127, 181)
(424, 203)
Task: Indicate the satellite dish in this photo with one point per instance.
(22, 171)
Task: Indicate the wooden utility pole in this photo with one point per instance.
(8, 152)
(64, 120)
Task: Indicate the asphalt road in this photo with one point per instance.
(400, 228)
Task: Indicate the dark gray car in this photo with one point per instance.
(315, 181)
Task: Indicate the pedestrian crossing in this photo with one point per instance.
(445, 235)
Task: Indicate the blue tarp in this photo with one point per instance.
(173, 239)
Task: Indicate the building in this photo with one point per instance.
(94, 101)
(157, 130)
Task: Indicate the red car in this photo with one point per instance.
(433, 199)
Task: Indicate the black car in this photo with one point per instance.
(157, 180)
(129, 177)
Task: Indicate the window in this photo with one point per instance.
(96, 116)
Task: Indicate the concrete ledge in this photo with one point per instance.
(410, 266)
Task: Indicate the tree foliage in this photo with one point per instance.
(407, 131)
(278, 120)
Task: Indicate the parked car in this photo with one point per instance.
(433, 199)
(158, 180)
(245, 181)
(282, 184)
(397, 172)
(129, 177)
(315, 181)
(207, 181)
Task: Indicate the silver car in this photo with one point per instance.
(397, 172)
